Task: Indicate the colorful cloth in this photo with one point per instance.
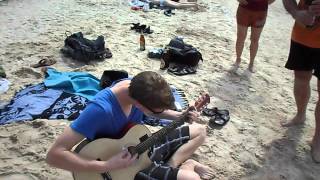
(80, 83)
(37, 101)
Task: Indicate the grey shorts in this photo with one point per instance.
(161, 153)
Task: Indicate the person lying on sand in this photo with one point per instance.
(179, 4)
(126, 102)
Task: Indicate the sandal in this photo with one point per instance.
(108, 53)
(218, 117)
(44, 62)
(148, 30)
(214, 111)
(219, 120)
(180, 71)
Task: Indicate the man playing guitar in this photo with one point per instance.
(126, 102)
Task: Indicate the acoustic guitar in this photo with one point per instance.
(138, 140)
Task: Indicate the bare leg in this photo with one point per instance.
(187, 174)
(178, 5)
(255, 36)
(315, 148)
(301, 95)
(203, 171)
(197, 137)
(186, 1)
(241, 37)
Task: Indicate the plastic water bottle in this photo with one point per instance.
(142, 43)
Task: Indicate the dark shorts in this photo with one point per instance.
(249, 18)
(161, 153)
(303, 58)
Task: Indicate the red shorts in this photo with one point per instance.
(250, 18)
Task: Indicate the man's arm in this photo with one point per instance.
(175, 115)
(271, 1)
(60, 156)
(291, 6)
(304, 17)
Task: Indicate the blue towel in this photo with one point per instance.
(80, 83)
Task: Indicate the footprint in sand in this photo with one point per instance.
(16, 177)
(27, 73)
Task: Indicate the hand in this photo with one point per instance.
(121, 160)
(192, 116)
(304, 17)
(243, 2)
(314, 8)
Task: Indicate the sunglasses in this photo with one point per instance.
(154, 112)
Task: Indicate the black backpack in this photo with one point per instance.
(179, 52)
(79, 48)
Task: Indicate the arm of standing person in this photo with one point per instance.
(315, 8)
(304, 17)
(244, 2)
(271, 1)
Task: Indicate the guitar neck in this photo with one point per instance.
(159, 135)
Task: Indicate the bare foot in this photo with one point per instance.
(238, 61)
(315, 152)
(297, 120)
(250, 68)
(205, 172)
(233, 68)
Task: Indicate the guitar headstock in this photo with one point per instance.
(202, 101)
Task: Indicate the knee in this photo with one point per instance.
(188, 175)
(201, 132)
(241, 39)
(254, 40)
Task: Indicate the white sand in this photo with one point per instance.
(251, 146)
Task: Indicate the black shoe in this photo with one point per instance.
(148, 30)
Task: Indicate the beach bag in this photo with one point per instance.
(79, 48)
(179, 52)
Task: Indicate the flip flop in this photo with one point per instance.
(44, 62)
(218, 117)
(180, 71)
(108, 53)
(214, 111)
(219, 120)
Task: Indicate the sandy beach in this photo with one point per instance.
(252, 145)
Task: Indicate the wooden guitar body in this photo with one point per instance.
(105, 148)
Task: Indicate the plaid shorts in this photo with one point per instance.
(161, 153)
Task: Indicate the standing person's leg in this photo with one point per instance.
(259, 19)
(243, 22)
(301, 93)
(255, 36)
(315, 147)
(241, 37)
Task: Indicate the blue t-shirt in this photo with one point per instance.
(103, 117)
